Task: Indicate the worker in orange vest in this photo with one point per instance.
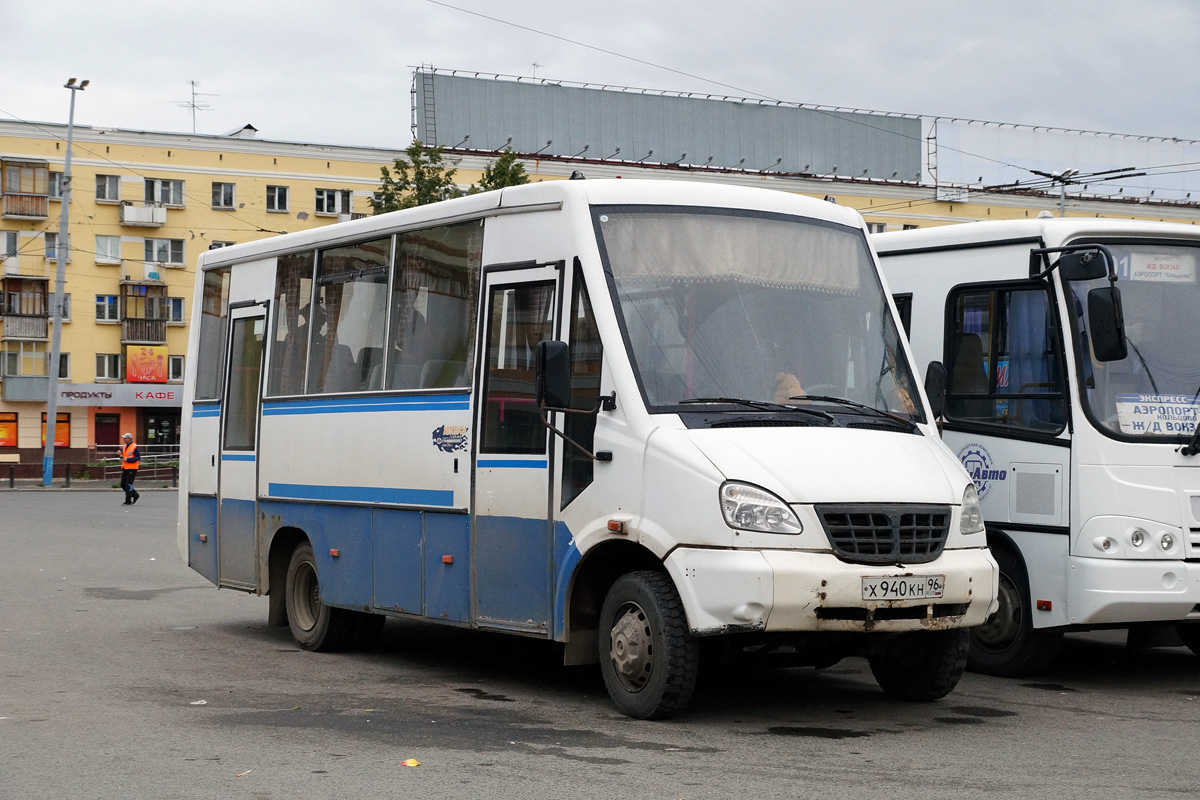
(130, 456)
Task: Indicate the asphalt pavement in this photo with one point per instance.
(123, 674)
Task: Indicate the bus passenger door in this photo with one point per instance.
(237, 478)
(511, 520)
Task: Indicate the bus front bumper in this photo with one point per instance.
(1110, 591)
(735, 591)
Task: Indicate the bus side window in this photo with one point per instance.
(293, 303)
(434, 291)
(587, 357)
(349, 315)
(904, 307)
(1005, 362)
(214, 322)
(520, 316)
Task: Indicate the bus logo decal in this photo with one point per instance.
(980, 466)
(450, 438)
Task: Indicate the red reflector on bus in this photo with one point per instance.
(616, 525)
(334, 552)
(204, 537)
(447, 559)
(1044, 605)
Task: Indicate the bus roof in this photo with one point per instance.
(1052, 231)
(542, 196)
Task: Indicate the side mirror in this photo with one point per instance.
(1107, 323)
(552, 389)
(935, 387)
(1083, 265)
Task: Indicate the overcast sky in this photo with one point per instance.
(340, 72)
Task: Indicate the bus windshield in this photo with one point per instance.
(717, 303)
(1152, 391)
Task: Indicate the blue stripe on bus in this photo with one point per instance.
(362, 494)
(237, 456)
(511, 464)
(351, 405)
(206, 411)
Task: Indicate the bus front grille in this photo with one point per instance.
(885, 534)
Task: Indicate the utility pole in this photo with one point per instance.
(61, 248)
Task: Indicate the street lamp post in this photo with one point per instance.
(61, 248)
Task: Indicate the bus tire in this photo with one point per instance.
(648, 656)
(1007, 644)
(314, 625)
(921, 666)
(1190, 634)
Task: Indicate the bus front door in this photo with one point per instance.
(511, 542)
(237, 478)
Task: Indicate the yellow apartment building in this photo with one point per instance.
(143, 206)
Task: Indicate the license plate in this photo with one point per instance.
(903, 588)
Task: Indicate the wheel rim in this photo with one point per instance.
(306, 596)
(632, 647)
(1002, 628)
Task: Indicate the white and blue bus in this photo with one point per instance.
(626, 416)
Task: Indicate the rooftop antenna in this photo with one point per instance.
(194, 104)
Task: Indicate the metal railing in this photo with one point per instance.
(159, 462)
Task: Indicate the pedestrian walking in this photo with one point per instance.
(130, 456)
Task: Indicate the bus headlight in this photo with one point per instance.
(971, 520)
(750, 508)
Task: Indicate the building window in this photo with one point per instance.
(175, 310)
(52, 247)
(277, 198)
(108, 188)
(167, 192)
(165, 251)
(911, 227)
(8, 243)
(215, 245)
(333, 201)
(26, 178)
(62, 429)
(107, 308)
(876, 227)
(64, 366)
(25, 359)
(175, 368)
(222, 195)
(66, 306)
(108, 249)
(108, 366)
(8, 429)
(56, 183)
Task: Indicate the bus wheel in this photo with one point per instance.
(1190, 634)
(314, 625)
(647, 655)
(923, 665)
(1007, 644)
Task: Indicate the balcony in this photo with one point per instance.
(143, 331)
(147, 215)
(24, 388)
(10, 265)
(26, 206)
(24, 326)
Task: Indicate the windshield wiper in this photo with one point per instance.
(761, 405)
(871, 410)
(1193, 445)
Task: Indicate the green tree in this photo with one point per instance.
(504, 171)
(416, 181)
